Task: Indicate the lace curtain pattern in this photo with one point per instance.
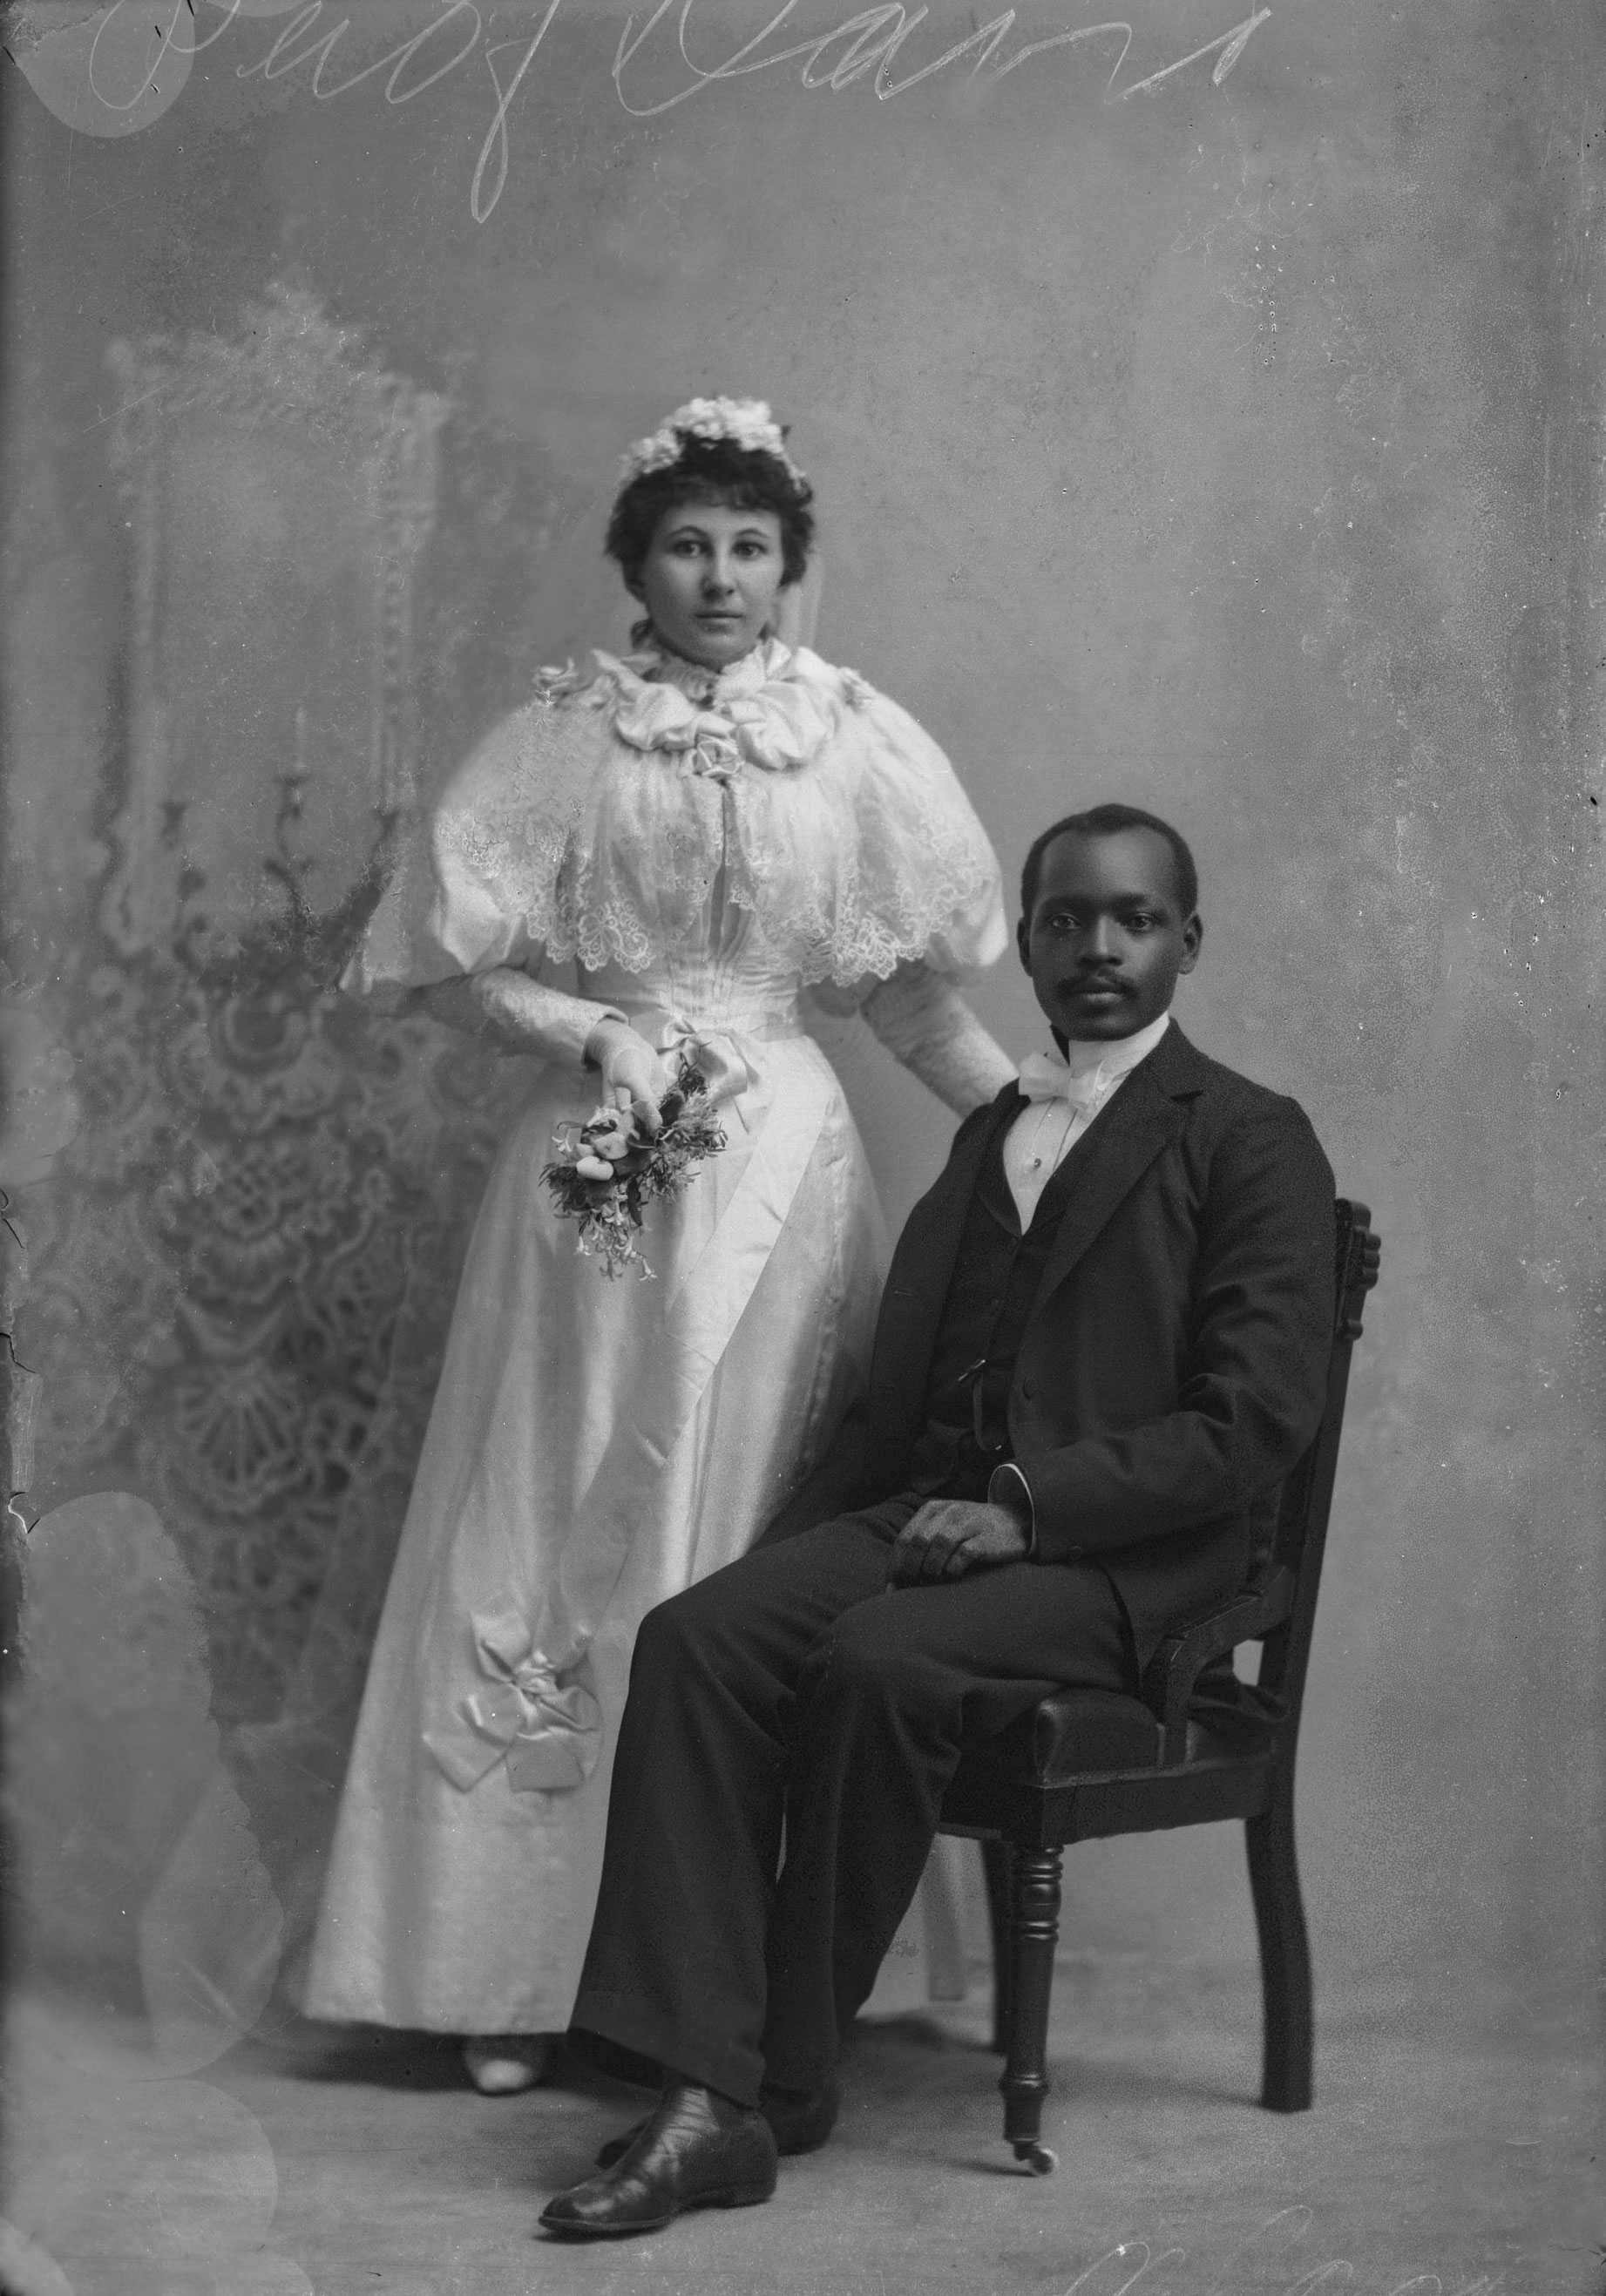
(239, 1285)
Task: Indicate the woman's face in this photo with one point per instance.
(710, 579)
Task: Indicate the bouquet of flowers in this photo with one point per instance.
(606, 1171)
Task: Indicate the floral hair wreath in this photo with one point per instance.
(746, 422)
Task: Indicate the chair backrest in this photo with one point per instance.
(1300, 1539)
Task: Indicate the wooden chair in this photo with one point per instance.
(1198, 1746)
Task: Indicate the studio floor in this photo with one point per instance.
(1440, 2159)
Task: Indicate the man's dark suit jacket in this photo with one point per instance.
(1173, 1367)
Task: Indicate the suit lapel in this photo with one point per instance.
(922, 1267)
(1146, 1115)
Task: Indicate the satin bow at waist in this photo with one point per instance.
(723, 1046)
(722, 1049)
(664, 1024)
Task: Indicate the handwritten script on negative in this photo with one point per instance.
(113, 69)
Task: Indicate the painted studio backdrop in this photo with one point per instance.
(1204, 411)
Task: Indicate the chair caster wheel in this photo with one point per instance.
(1038, 2158)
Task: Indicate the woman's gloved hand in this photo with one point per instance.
(635, 1078)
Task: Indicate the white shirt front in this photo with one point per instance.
(1043, 1134)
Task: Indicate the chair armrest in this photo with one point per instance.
(1172, 1670)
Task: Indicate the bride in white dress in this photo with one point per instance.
(675, 849)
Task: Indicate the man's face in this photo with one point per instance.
(1107, 938)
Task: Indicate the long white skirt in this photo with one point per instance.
(594, 1448)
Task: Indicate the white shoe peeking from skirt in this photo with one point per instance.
(501, 2064)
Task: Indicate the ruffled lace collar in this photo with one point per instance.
(658, 666)
(762, 710)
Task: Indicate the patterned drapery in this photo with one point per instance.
(239, 1284)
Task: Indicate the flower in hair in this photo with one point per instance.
(746, 422)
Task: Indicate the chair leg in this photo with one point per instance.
(1035, 1926)
(1284, 1956)
(995, 1867)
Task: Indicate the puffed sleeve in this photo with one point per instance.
(449, 907)
(928, 906)
(928, 864)
(869, 855)
(474, 897)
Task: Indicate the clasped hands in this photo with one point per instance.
(946, 1538)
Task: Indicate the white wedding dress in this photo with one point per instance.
(699, 855)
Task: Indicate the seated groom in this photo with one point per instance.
(1103, 1343)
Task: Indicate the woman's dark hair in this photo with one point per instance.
(1109, 821)
(712, 471)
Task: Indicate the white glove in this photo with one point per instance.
(634, 1079)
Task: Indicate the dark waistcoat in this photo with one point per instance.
(997, 1274)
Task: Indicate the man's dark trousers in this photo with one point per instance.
(797, 1682)
(1152, 1354)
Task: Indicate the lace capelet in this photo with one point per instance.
(602, 820)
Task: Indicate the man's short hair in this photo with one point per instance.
(1109, 821)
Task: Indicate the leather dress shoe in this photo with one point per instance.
(691, 2153)
(800, 2123)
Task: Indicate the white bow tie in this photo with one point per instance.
(1045, 1076)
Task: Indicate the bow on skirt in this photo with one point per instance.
(549, 1732)
(527, 1702)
